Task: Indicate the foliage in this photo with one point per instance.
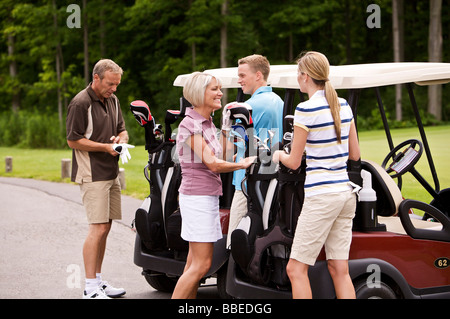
(28, 129)
(155, 40)
(46, 164)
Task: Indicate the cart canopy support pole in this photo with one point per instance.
(423, 136)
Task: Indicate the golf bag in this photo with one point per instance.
(269, 247)
(260, 190)
(158, 221)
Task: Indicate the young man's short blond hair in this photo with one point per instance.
(194, 90)
(257, 63)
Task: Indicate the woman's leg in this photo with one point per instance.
(337, 248)
(199, 262)
(298, 275)
(343, 284)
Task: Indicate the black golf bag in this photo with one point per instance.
(158, 221)
(260, 245)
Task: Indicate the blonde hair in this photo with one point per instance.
(195, 87)
(316, 65)
(106, 65)
(257, 63)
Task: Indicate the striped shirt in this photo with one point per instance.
(326, 159)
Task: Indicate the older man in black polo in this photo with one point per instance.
(94, 125)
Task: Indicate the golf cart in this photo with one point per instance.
(392, 255)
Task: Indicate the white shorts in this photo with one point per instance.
(200, 218)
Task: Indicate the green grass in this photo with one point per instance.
(46, 164)
(374, 146)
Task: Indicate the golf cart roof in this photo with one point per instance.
(355, 76)
(229, 76)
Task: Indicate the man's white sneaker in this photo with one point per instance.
(97, 293)
(110, 291)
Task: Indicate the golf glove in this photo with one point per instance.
(226, 121)
(122, 149)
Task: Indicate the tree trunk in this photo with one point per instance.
(224, 43)
(102, 29)
(435, 55)
(348, 32)
(13, 74)
(86, 43)
(194, 56)
(398, 39)
(58, 65)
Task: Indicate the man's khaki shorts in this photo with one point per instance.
(102, 201)
(238, 210)
(325, 219)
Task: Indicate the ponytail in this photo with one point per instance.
(335, 108)
(316, 65)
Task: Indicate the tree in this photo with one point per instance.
(398, 42)
(435, 55)
(224, 41)
(7, 24)
(86, 43)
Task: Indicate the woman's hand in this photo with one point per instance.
(246, 162)
(276, 156)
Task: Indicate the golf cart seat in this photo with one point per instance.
(442, 234)
(390, 202)
(389, 196)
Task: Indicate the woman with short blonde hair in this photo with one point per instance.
(201, 160)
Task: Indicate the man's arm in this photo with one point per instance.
(90, 146)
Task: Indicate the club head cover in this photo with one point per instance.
(141, 112)
(242, 112)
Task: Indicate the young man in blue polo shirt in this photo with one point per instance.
(267, 114)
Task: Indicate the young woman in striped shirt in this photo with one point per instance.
(325, 130)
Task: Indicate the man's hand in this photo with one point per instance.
(122, 149)
(115, 139)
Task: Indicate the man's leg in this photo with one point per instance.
(238, 210)
(94, 248)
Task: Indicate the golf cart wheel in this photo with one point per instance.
(159, 281)
(380, 291)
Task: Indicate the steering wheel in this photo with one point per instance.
(405, 160)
